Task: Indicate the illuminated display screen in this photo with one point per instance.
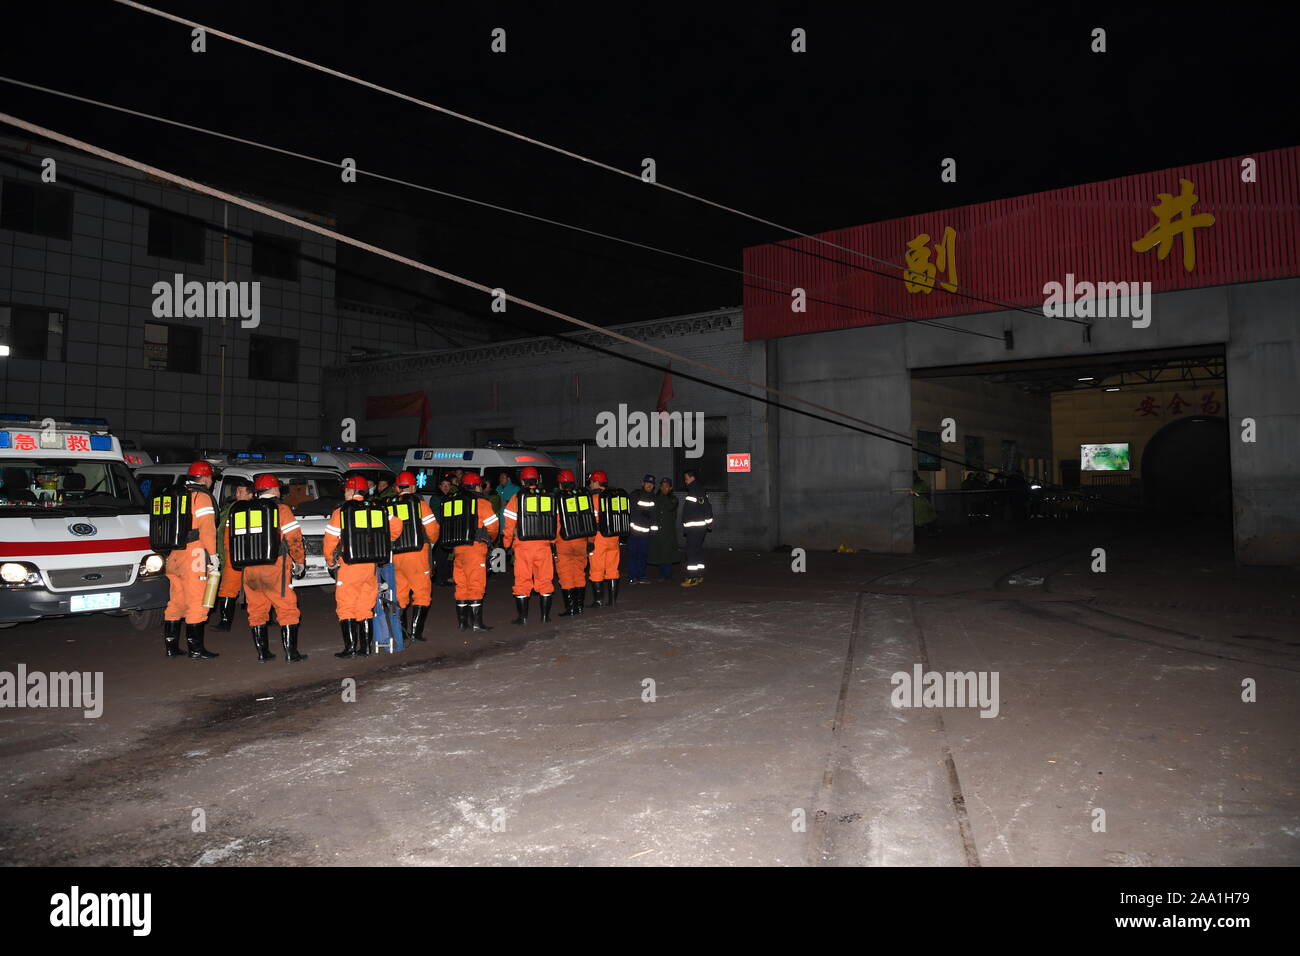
(1109, 457)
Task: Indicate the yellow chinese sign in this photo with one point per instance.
(921, 272)
(1172, 221)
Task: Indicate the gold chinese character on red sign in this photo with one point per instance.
(1173, 221)
(921, 273)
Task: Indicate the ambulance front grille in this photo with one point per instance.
(66, 579)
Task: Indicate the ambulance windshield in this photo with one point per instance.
(67, 487)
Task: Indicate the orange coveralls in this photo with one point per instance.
(263, 583)
(187, 568)
(604, 558)
(231, 580)
(469, 569)
(534, 568)
(571, 561)
(412, 568)
(357, 586)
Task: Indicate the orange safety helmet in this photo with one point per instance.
(356, 483)
(470, 478)
(530, 474)
(405, 479)
(599, 476)
(565, 475)
(265, 482)
(199, 469)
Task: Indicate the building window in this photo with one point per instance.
(36, 208)
(275, 257)
(272, 359)
(33, 333)
(171, 348)
(175, 237)
(711, 466)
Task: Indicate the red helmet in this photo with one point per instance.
(405, 479)
(356, 483)
(470, 478)
(599, 476)
(265, 482)
(530, 474)
(565, 475)
(199, 469)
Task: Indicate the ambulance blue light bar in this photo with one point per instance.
(14, 417)
(358, 448)
(4, 439)
(101, 443)
(249, 456)
(102, 422)
(298, 456)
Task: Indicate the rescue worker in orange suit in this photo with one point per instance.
(469, 566)
(357, 585)
(534, 566)
(188, 568)
(267, 585)
(604, 553)
(571, 560)
(412, 568)
(231, 579)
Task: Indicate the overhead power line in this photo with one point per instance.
(541, 144)
(780, 288)
(37, 130)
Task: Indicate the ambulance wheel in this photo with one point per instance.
(149, 620)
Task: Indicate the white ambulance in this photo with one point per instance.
(74, 535)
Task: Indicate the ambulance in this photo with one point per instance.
(74, 535)
(429, 464)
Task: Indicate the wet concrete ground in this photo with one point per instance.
(771, 738)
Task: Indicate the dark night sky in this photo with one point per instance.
(850, 132)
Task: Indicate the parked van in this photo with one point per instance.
(346, 459)
(312, 494)
(74, 533)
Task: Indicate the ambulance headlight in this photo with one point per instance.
(152, 564)
(11, 572)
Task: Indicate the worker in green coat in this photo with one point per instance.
(923, 514)
(663, 546)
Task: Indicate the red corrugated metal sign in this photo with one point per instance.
(985, 257)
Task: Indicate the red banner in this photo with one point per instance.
(407, 405)
(1228, 221)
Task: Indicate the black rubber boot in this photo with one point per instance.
(579, 599)
(595, 593)
(416, 629)
(260, 642)
(521, 605)
(545, 601)
(194, 642)
(462, 615)
(566, 595)
(172, 638)
(225, 613)
(365, 636)
(476, 613)
(289, 638)
(611, 591)
(349, 639)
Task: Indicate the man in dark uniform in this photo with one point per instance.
(644, 526)
(697, 521)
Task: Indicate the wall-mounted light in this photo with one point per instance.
(1113, 388)
(1086, 378)
(4, 351)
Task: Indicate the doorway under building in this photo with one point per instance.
(1042, 443)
